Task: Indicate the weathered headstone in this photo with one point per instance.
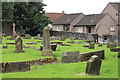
(88, 55)
(100, 45)
(15, 67)
(46, 43)
(18, 45)
(53, 47)
(5, 46)
(38, 35)
(93, 65)
(70, 57)
(91, 45)
(14, 32)
(27, 36)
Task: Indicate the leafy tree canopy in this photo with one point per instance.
(29, 16)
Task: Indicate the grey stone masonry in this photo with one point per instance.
(46, 43)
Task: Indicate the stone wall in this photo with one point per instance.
(80, 36)
(25, 65)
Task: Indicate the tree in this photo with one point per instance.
(28, 16)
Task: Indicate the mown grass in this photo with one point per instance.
(109, 68)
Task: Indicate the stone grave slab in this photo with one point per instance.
(93, 65)
(87, 56)
(70, 57)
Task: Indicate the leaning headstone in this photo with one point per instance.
(46, 43)
(70, 57)
(93, 65)
(18, 45)
(91, 45)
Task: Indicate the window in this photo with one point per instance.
(112, 28)
(57, 28)
(80, 30)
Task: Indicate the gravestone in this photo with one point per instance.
(93, 65)
(46, 43)
(14, 32)
(53, 47)
(91, 45)
(5, 46)
(100, 45)
(18, 45)
(27, 36)
(88, 55)
(38, 35)
(70, 57)
(15, 67)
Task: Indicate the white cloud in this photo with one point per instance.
(77, 6)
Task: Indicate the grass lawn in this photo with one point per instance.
(109, 68)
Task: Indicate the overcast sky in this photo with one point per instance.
(77, 6)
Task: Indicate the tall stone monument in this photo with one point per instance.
(93, 65)
(18, 45)
(46, 43)
(14, 32)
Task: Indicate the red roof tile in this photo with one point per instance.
(54, 16)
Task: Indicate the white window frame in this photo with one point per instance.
(57, 28)
(112, 28)
(80, 30)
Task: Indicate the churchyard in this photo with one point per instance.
(45, 57)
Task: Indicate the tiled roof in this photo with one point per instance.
(67, 18)
(90, 20)
(54, 16)
(115, 5)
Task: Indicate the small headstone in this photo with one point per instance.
(38, 35)
(70, 57)
(18, 45)
(100, 45)
(5, 46)
(53, 47)
(93, 65)
(91, 45)
(27, 36)
(46, 43)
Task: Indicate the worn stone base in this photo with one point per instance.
(19, 51)
(47, 53)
